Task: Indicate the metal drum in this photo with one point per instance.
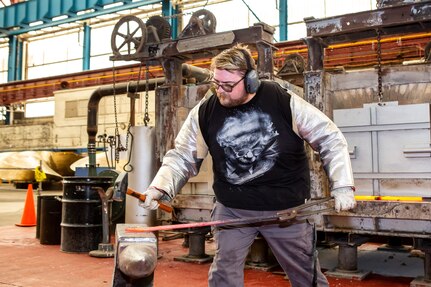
(81, 220)
(50, 219)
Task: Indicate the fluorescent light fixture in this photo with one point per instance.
(113, 5)
(35, 23)
(85, 12)
(58, 18)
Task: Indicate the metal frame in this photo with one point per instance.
(406, 18)
(387, 218)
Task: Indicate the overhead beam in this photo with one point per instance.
(408, 18)
(395, 50)
(16, 19)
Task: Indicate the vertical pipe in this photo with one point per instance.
(92, 110)
(86, 52)
(92, 168)
(19, 60)
(168, 10)
(11, 71)
(283, 18)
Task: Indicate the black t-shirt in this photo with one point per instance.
(259, 162)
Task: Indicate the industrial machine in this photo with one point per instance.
(384, 113)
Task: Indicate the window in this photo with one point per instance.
(55, 56)
(39, 109)
(4, 54)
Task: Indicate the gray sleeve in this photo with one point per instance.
(184, 160)
(325, 138)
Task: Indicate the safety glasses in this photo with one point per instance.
(225, 86)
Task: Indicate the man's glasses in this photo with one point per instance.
(226, 87)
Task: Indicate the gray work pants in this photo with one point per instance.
(292, 245)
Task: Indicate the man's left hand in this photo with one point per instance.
(344, 198)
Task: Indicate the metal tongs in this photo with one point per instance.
(281, 216)
(299, 211)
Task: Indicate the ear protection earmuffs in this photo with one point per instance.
(251, 78)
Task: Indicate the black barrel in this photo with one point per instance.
(38, 212)
(81, 220)
(50, 219)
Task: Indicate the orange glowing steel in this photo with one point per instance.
(388, 198)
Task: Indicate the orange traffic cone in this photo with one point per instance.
(29, 214)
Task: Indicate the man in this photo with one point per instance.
(255, 132)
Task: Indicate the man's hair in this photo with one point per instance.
(233, 59)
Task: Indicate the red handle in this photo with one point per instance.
(142, 197)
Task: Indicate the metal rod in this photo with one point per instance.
(288, 214)
(229, 222)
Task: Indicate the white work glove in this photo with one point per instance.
(152, 195)
(344, 198)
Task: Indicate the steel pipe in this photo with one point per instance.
(188, 71)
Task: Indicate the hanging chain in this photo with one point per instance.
(147, 87)
(379, 67)
(129, 94)
(133, 96)
(379, 59)
(118, 146)
(128, 167)
(379, 4)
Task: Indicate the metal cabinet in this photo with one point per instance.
(389, 146)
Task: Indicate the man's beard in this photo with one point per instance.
(228, 102)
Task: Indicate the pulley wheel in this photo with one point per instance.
(162, 26)
(293, 64)
(129, 36)
(207, 19)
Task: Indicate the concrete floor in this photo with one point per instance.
(27, 263)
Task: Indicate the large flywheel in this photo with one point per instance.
(162, 29)
(129, 36)
(202, 22)
(207, 19)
